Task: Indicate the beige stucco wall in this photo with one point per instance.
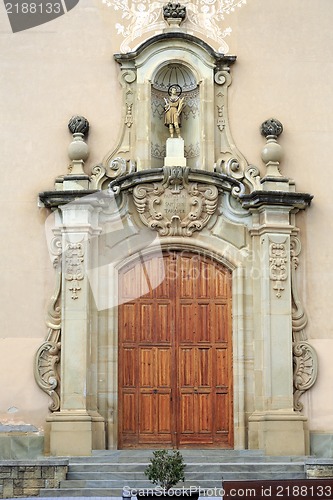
(284, 69)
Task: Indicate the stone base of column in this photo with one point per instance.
(279, 433)
(98, 431)
(70, 434)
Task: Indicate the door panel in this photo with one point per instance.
(175, 354)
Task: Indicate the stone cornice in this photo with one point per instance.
(278, 198)
(54, 199)
(222, 181)
(168, 37)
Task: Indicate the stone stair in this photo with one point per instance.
(106, 473)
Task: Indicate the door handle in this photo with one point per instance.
(155, 391)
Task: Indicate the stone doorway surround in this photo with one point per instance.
(225, 209)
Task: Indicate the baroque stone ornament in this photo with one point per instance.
(175, 207)
(74, 271)
(271, 127)
(174, 11)
(203, 16)
(48, 355)
(78, 125)
(305, 363)
(278, 266)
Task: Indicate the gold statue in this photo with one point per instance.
(173, 108)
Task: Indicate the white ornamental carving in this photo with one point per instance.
(278, 259)
(175, 207)
(74, 270)
(142, 16)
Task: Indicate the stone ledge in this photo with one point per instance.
(318, 468)
(42, 462)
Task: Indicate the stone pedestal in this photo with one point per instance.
(71, 434)
(279, 433)
(76, 182)
(175, 153)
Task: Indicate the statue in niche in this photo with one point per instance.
(173, 108)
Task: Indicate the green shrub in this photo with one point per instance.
(166, 468)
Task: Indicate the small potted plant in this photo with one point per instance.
(166, 469)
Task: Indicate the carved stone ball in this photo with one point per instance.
(272, 126)
(174, 10)
(78, 124)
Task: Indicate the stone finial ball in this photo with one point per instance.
(272, 126)
(78, 124)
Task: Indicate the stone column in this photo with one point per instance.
(274, 426)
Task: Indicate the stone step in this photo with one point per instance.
(206, 482)
(125, 461)
(135, 472)
(68, 493)
(114, 488)
(185, 452)
(144, 459)
(106, 473)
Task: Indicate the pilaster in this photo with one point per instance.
(274, 426)
(72, 427)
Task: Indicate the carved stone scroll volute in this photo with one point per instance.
(175, 207)
(305, 364)
(47, 359)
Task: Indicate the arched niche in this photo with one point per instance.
(175, 74)
(165, 58)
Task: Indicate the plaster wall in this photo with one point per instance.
(284, 69)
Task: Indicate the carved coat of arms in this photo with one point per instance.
(175, 206)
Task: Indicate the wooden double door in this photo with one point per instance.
(175, 353)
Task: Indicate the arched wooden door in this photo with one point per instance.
(175, 353)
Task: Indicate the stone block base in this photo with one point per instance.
(98, 431)
(278, 433)
(175, 153)
(321, 444)
(70, 435)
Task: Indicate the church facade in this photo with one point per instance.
(179, 280)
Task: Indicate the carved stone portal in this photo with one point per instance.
(175, 207)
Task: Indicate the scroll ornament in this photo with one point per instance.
(46, 366)
(175, 206)
(305, 364)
